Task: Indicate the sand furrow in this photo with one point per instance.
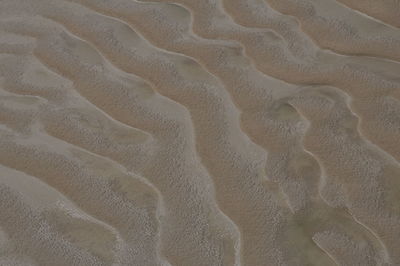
(387, 11)
(340, 28)
(351, 74)
(88, 187)
(297, 200)
(56, 114)
(297, 192)
(49, 203)
(348, 179)
(262, 20)
(257, 14)
(168, 135)
(39, 236)
(206, 134)
(185, 132)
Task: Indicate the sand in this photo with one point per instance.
(199, 132)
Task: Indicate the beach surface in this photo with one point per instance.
(199, 132)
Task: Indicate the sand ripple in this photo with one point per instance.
(187, 132)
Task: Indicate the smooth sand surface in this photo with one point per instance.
(199, 132)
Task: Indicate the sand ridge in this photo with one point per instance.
(185, 132)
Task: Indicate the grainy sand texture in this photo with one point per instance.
(199, 132)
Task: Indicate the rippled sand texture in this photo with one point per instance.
(199, 132)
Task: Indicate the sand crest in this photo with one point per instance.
(199, 132)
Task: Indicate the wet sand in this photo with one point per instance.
(191, 133)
